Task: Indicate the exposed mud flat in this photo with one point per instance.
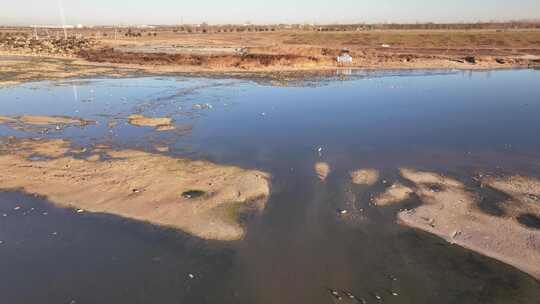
(46, 120)
(43, 123)
(16, 69)
(524, 192)
(451, 211)
(365, 177)
(322, 170)
(137, 185)
(159, 123)
(394, 194)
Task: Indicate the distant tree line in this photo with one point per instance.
(205, 28)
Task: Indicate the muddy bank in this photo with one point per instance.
(452, 211)
(209, 61)
(16, 68)
(198, 197)
(266, 53)
(364, 177)
(270, 60)
(322, 170)
(159, 123)
(394, 194)
(43, 124)
(280, 70)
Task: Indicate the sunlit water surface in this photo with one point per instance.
(451, 122)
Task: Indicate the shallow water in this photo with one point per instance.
(452, 122)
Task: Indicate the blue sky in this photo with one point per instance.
(259, 11)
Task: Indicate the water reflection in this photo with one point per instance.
(299, 250)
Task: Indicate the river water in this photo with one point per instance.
(299, 248)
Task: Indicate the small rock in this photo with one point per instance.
(17, 208)
(335, 294)
(191, 276)
(470, 59)
(533, 197)
(349, 295)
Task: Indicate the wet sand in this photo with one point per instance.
(19, 68)
(396, 193)
(198, 197)
(322, 170)
(365, 177)
(450, 210)
(43, 124)
(159, 123)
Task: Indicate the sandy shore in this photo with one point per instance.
(159, 123)
(450, 210)
(198, 197)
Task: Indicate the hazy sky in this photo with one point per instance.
(258, 11)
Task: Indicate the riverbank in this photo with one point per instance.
(17, 68)
(273, 54)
